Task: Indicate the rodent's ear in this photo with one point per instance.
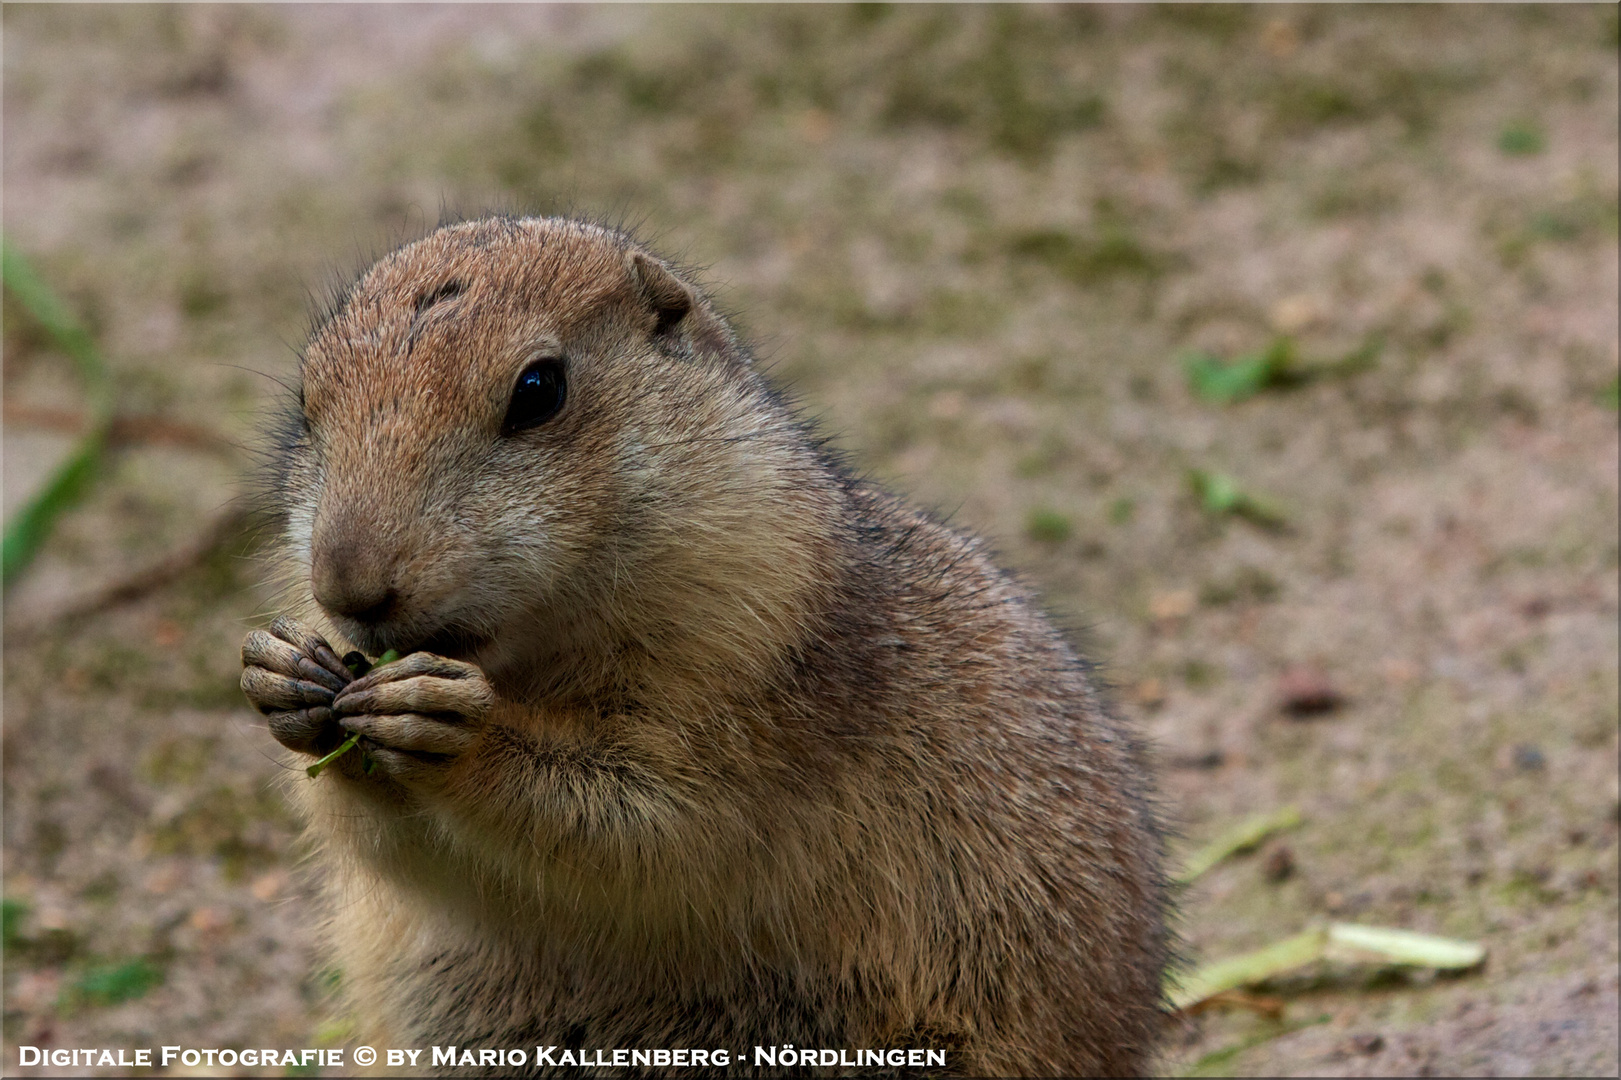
(669, 297)
(677, 308)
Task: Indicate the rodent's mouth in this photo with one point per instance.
(451, 644)
(456, 645)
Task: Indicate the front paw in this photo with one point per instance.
(291, 675)
(418, 715)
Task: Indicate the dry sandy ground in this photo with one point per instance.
(977, 242)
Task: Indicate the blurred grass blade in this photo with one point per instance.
(53, 315)
(1217, 492)
(12, 914)
(1213, 380)
(32, 524)
(112, 984)
(1219, 495)
(1226, 382)
(1358, 360)
(1244, 836)
(1249, 968)
(333, 1032)
(1382, 944)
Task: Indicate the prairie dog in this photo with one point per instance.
(699, 741)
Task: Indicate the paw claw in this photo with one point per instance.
(270, 691)
(309, 643)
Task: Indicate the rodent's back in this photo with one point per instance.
(1029, 804)
(777, 758)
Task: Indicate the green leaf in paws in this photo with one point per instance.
(347, 745)
(358, 665)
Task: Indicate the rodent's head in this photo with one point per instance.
(522, 429)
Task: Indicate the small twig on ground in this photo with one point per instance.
(125, 428)
(154, 575)
(1260, 1004)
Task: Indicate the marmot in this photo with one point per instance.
(700, 741)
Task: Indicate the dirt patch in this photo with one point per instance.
(981, 243)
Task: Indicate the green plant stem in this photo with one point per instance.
(27, 531)
(1242, 837)
(1342, 942)
(347, 745)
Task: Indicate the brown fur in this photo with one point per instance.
(774, 758)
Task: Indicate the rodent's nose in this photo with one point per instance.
(366, 607)
(352, 595)
(351, 578)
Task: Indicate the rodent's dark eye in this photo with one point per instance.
(538, 396)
